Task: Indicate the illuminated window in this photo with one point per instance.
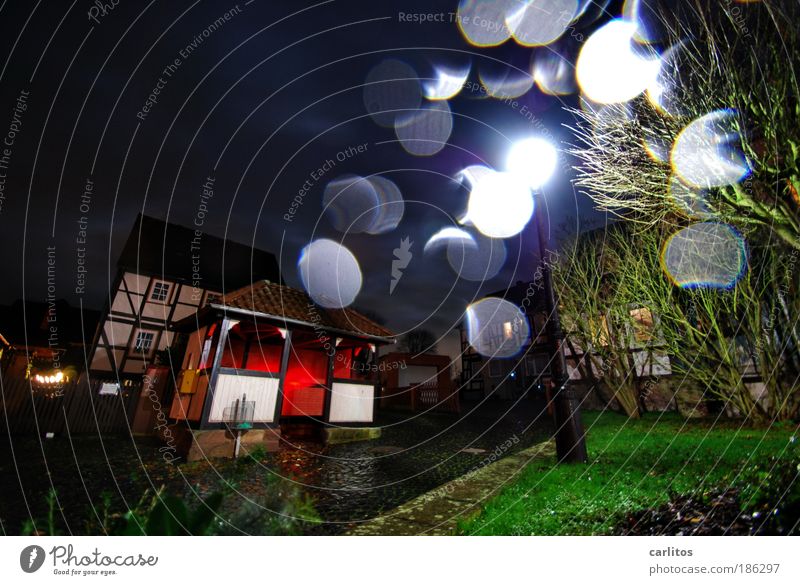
(508, 330)
(160, 292)
(598, 328)
(643, 325)
(143, 341)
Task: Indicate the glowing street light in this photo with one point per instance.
(501, 203)
(534, 160)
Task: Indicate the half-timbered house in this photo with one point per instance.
(508, 378)
(530, 369)
(165, 273)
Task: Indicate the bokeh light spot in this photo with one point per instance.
(351, 204)
(483, 22)
(478, 261)
(425, 131)
(705, 255)
(473, 173)
(391, 206)
(497, 328)
(445, 236)
(707, 152)
(448, 83)
(330, 274)
(508, 84)
(391, 89)
(540, 22)
(610, 70)
(355, 204)
(553, 73)
(665, 92)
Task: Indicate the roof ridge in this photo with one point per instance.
(260, 297)
(242, 289)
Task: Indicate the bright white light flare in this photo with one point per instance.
(500, 205)
(609, 70)
(532, 160)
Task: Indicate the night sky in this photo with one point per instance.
(257, 105)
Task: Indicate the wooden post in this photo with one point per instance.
(287, 347)
(212, 379)
(570, 441)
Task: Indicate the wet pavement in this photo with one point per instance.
(357, 481)
(349, 483)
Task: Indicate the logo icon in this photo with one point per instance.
(31, 558)
(402, 257)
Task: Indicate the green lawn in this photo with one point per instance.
(637, 464)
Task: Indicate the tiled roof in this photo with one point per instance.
(283, 302)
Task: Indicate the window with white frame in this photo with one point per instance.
(160, 291)
(143, 342)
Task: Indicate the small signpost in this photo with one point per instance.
(238, 417)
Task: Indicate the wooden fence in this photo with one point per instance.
(77, 407)
(422, 397)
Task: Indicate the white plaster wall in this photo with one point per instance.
(351, 402)
(229, 387)
(136, 283)
(118, 333)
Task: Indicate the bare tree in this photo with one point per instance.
(418, 342)
(738, 345)
(595, 320)
(725, 56)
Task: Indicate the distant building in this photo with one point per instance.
(417, 382)
(530, 368)
(164, 274)
(508, 378)
(44, 341)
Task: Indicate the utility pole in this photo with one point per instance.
(570, 441)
